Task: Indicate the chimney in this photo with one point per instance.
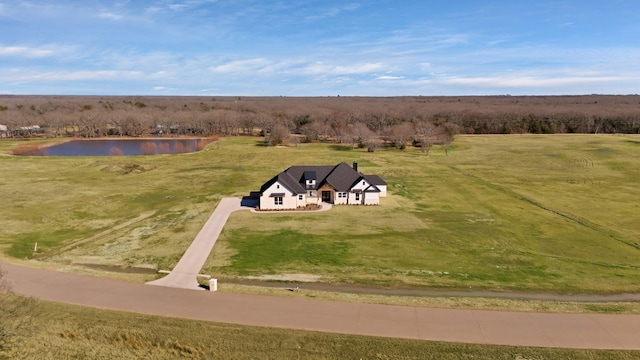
(355, 165)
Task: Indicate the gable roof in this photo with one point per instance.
(287, 181)
(341, 177)
(374, 180)
(297, 172)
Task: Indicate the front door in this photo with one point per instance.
(326, 196)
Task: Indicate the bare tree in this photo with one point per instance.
(449, 133)
(278, 135)
(400, 134)
(425, 132)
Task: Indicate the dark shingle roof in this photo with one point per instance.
(341, 177)
(287, 181)
(298, 172)
(374, 180)
(309, 175)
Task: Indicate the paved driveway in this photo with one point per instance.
(597, 331)
(184, 274)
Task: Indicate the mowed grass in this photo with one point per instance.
(60, 331)
(530, 213)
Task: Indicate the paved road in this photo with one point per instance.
(184, 275)
(595, 331)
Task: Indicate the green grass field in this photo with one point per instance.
(58, 331)
(530, 213)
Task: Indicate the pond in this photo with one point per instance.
(116, 147)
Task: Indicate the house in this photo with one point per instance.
(299, 186)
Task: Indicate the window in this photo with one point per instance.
(278, 186)
(301, 197)
(342, 194)
(277, 200)
(357, 196)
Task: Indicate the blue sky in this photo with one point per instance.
(319, 48)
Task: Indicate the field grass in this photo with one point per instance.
(60, 331)
(550, 213)
(533, 213)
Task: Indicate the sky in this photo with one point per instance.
(319, 48)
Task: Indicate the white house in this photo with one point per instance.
(298, 186)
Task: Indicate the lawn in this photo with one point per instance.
(60, 331)
(553, 213)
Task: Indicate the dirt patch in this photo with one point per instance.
(128, 168)
(140, 269)
(287, 277)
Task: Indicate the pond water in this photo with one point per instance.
(113, 147)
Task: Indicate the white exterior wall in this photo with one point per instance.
(372, 198)
(301, 202)
(352, 199)
(361, 185)
(339, 200)
(383, 190)
(289, 200)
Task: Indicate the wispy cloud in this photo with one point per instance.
(322, 68)
(317, 47)
(24, 51)
(110, 16)
(334, 11)
(528, 81)
(389, 77)
(243, 66)
(73, 75)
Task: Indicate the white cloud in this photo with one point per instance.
(110, 16)
(24, 51)
(334, 11)
(530, 81)
(249, 65)
(389, 77)
(177, 7)
(320, 68)
(163, 89)
(79, 75)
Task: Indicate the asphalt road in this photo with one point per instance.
(175, 298)
(595, 331)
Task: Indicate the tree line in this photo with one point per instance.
(358, 121)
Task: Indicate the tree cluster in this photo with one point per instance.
(357, 121)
